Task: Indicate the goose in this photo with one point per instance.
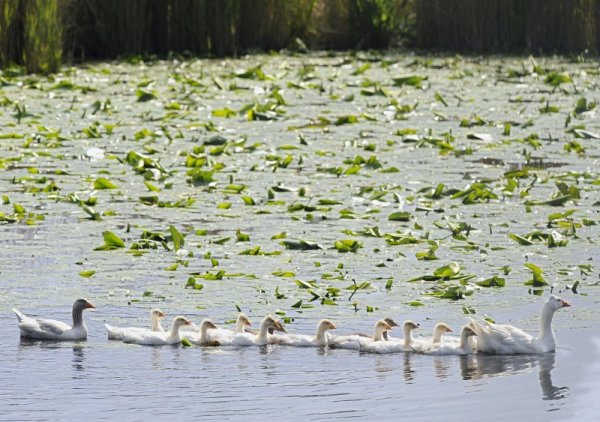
(116, 333)
(202, 338)
(375, 345)
(451, 348)
(357, 341)
(249, 339)
(439, 330)
(155, 338)
(385, 334)
(303, 340)
(506, 339)
(49, 329)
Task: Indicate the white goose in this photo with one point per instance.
(202, 338)
(117, 333)
(242, 321)
(49, 329)
(249, 339)
(425, 343)
(506, 339)
(303, 340)
(451, 348)
(155, 338)
(375, 345)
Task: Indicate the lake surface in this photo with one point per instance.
(348, 187)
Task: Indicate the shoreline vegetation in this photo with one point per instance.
(40, 35)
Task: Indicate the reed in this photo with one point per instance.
(539, 26)
(42, 35)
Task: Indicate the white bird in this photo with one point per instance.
(117, 333)
(49, 329)
(450, 348)
(303, 340)
(242, 321)
(506, 339)
(439, 330)
(202, 338)
(355, 341)
(392, 346)
(155, 338)
(249, 339)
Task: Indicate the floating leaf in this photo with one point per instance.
(104, 183)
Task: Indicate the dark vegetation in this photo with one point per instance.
(41, 34)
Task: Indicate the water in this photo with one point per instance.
(76, 136)
(102, 380)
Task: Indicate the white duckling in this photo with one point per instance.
(451, 348)
(506, 339)
(49, 329)
(439, 330)
(391, 346)
(202, 338)
(241, 323)
(155, 338)
(116, 333)
(303, 340)
(249, 339)
(360, 341)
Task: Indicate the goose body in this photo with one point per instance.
(463, 347)
(441, 328)
(303, 340)
(117, 333)
(241, 323)
(49, 329)
(506, 339)
(249, 339)
(156, 338)
(202, 338)
(376, 345)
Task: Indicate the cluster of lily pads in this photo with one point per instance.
(312, 180)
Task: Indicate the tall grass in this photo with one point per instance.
(9, 47)
(40, 33)
(43, 35)
(539, 26)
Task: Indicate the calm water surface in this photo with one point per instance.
(103, 380)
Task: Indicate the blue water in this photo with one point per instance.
(103, 380)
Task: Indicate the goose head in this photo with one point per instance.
(381, 327)
(157, 314)
(324, 325)
(270, 322)
(207, 324)
(78, 307)
(242, 322)
(409, 326)
(81, 304)
(440, 329)
(555, 303)
(179, 322)
(391, 322)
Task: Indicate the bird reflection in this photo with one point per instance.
(478, 366)
(78, 358)
(408, 371)
(441, 367)
(549, 391)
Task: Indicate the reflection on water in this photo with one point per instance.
(317, 384)
(78, 360)
(474, 367)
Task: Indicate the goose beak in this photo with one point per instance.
(248, 323)
(333, 327)
(450, 330)
(280, 327)
(188, 322)
(89, 305)
(565, 303)
(161, 314)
